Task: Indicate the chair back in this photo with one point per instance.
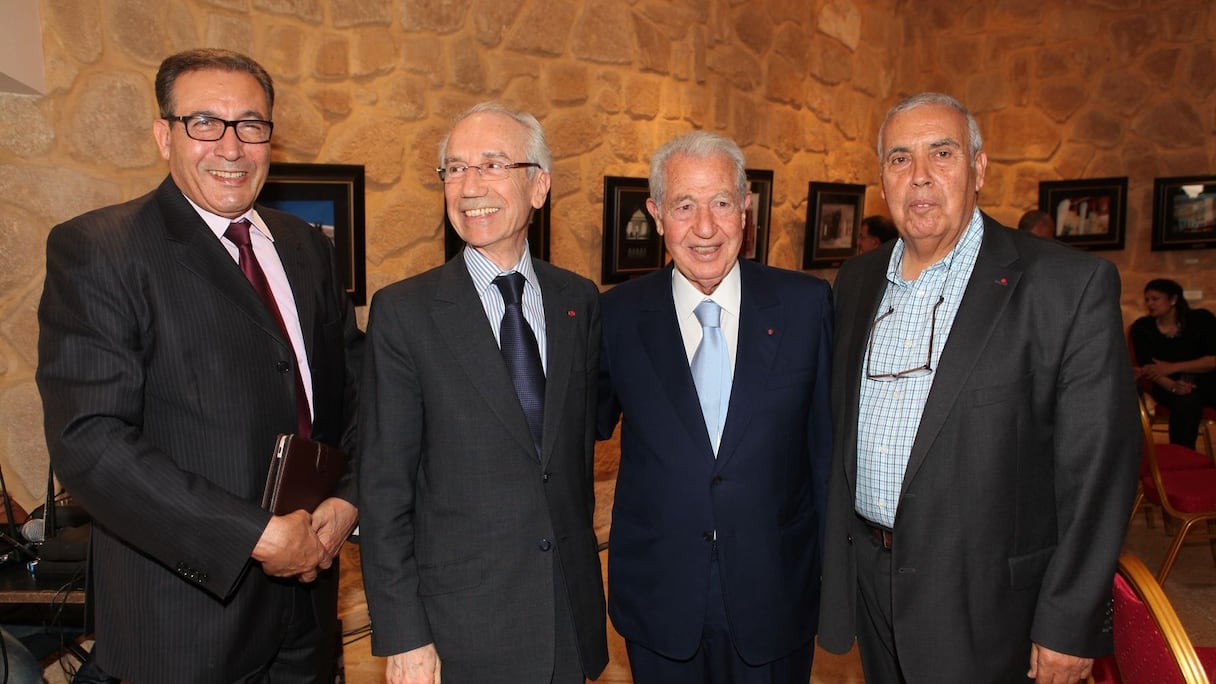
(1151, 647)
(1150, 468)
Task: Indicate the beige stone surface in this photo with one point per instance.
(1061, 90)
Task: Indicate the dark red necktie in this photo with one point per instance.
(521, 353)
(238, 234)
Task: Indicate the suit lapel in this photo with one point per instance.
(761, 327)
(461, 320)
(659, 332)
(993, 282)
(197, 250)
(853, 329)
(289, 245)
(560, 328)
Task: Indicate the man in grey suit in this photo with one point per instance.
(479, 555)
(165, 377)
(986, 437)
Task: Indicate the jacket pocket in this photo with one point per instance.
(453, 576)
(1026, 571)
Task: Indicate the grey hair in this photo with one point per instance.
(700, 145)
(535, 148)
(974, 140)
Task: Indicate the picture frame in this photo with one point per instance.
(759, 216)
(1184, 213)
(1089, 213)
(538, 234)
(833, 219)
(331, 198)
(632, 244)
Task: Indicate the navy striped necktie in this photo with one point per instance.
(521, 354)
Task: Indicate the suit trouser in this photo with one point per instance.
(875, 626)
(567, 665)
(716, 660)
(304, 657)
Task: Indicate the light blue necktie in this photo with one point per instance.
(711, 370)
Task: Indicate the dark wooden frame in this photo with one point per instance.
(295, 188)
(538, 234)
(828, 210)
(1081, 228)
(628, 251)
(759, 219)
(1196, 229)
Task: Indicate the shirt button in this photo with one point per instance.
(897, 395)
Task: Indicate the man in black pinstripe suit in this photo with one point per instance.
(165, 379)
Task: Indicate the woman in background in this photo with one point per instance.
(1175, 349)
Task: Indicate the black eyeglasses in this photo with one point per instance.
(917, 372)
(456, 171)
(209, 128)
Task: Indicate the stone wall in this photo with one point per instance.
(1080, 89)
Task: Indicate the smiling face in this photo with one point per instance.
(224, 176)
(928, 178)
(702, 217)
(492, 215)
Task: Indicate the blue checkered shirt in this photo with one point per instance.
(890, 410)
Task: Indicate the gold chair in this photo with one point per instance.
(1151, 647)
(1187, 495)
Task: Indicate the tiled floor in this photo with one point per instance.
(1191, 587)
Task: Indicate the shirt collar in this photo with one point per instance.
(964, 251)
(219, 224)
(687, 296)
(483, 271)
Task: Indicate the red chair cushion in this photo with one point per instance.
(1140, 650)
(1190, 491)
(1178, 457)
(1207, 656)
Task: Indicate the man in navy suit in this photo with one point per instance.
(714, 554)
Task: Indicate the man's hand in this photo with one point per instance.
(419, 666)
(289, 547)
(333, 521)
(1052, 667)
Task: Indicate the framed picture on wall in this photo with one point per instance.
(1184, 213)
(759, 216)
(833, 216)
(330, 197)
(632, 244)
(538, 234)
(1089, 213)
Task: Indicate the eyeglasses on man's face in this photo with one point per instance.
(917, 372)
(209, 128)
(456, 171)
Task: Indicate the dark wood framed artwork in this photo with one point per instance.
(538, 234)
(632, 244)
(1184, 213)
(759, 216)
(833, 217)
(330, 197)
(1088, 213)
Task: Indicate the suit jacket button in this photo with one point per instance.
(707, 536)
(716, 481)
(544, 477)
(545, 545)
(850, 539)
(282, 366)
